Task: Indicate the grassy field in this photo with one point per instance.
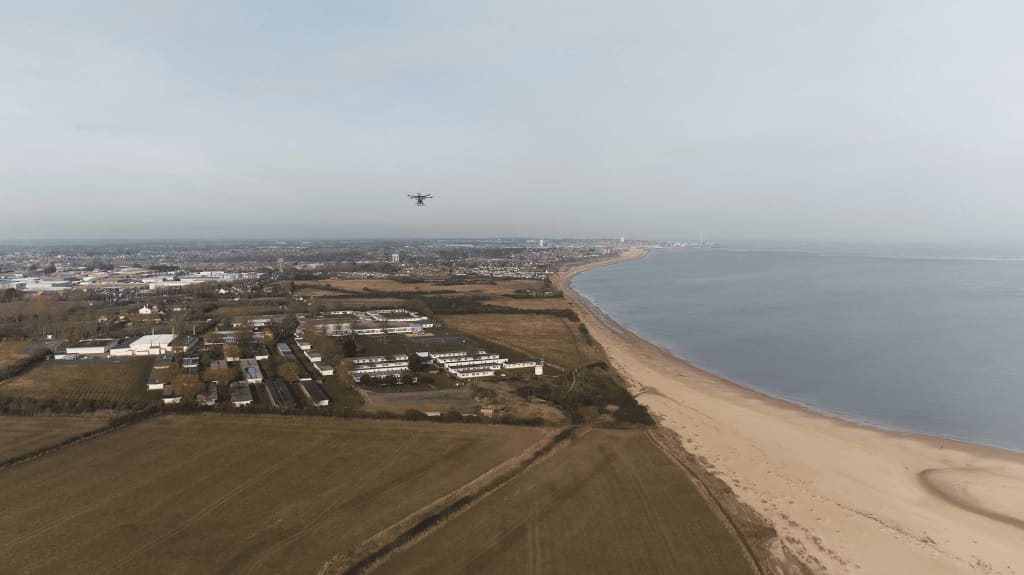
(83, 380)
(539, 303)
(610, 502)
(239, 494)
(21, 435)
(12, 351)
(385, 286)
(554, 339)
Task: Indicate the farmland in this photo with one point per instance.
(95, 379)
(610, 502)
(554, 339)
(219, 493)
(12, 351)
(530, 303)
(22, 435)
(503, 287)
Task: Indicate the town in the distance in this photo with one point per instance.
(337, 407)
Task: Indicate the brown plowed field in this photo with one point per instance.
(21, 435)
(239, 494)
(554, 339)
(12, 351)
(99, 379)
(610, 502)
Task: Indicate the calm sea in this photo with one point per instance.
(926, 344)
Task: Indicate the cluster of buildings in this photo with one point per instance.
(461, 365)
(70, 277)
(155, 344)
(464, 365)
(343, 323)
(314, 357)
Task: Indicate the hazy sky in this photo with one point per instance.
(817, 119)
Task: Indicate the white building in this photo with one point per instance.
(156, 344)
(92, 347)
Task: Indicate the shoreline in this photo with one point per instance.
(844, 496)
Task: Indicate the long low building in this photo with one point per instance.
(241, 394)
(377, 374)
(251, 370)
(323, 368)
(92, 347)
(378, 371)
(380, 359)
(300, 372)
(315, 393)
(280, 395)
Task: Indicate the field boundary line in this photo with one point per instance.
(671, 452)
(42, 451)
(406, 531)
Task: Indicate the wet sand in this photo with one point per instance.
(844, 497)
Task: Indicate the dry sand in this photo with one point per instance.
(846, 498)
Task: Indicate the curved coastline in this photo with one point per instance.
(845, 496)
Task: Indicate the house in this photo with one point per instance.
(146, 310)
(324, 369)
(190, 363)
(315, 393)
(211, 396)
(169, 397)
(251, 370)
(219, 364)
(280, 395)
(155, 344)
(240, 394)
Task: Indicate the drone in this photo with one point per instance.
(419, 198)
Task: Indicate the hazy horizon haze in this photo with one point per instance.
(874, 121)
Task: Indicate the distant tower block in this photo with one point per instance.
(622, 240)
(395, 258)
(540, 243)
(280, 265)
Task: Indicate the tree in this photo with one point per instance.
(50, 269)
(10, 294)
(366, 380)
(415, 362)
(349, 347)
(287, 371)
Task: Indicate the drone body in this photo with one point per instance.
(419, 198)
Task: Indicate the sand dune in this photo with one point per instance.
(846, 498)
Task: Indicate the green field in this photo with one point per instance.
(611, 502)
(21, 435)
(104, 380)
(240, 494)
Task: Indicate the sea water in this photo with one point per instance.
(928, 344)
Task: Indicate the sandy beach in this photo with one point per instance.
(844, 497)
